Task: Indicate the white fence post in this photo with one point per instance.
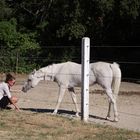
(85, 79)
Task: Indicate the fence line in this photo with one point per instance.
(105, 77)
(40, 58)
(95, 60)
(126, 79)
(78, 46)
(124, 63)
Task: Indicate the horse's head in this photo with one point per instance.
(33, 79)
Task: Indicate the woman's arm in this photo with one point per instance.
(13, 102)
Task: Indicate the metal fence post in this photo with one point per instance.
(85, 79)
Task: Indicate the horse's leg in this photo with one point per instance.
(73, 95)
(60, 97)
(109, 110)
(113, 101)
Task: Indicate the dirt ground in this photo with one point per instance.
(44, 96)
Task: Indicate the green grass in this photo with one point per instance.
(42, 126)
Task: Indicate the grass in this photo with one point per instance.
(42, 126)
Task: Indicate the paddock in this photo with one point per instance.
(44, 96)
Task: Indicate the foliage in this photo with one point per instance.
(129, 8)
(5, 10)
(14, 44)
(25, 25)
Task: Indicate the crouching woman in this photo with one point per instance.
(5, 95)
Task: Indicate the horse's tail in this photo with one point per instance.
(116, 79)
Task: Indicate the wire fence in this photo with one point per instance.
(129, 60)
(127, 66)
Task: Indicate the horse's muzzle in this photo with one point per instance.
(24, 89)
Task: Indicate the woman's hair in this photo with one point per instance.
(9, 77)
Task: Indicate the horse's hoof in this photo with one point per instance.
(116, 120)
(108, 118)
(77, 115)
(55, 112)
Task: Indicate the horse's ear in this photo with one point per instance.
(34, 71)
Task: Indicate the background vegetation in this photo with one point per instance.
(29, 30)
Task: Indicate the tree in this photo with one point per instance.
(14, 44)
(5, 10)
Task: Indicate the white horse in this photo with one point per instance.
(68, 76)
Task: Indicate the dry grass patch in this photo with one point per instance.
(42, 126)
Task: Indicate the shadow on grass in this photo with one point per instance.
(97, 117)
(61, 112)
(39, 110)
